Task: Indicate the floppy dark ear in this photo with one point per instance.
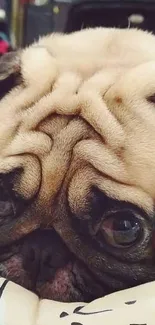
(9, 72)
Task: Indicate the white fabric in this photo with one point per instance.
(135, 306)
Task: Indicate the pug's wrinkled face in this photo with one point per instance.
(77, 164)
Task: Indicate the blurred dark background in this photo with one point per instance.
(23, 21)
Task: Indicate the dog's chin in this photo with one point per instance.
(72, 283)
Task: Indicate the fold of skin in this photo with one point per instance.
(77, 129)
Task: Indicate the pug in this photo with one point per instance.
(77, 163)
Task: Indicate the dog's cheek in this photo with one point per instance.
(12, 269)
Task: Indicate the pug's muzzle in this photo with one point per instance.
(41, 262)
(113, 251)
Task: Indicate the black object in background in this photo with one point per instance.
(72, 15)
(113, 13)
(38, 22)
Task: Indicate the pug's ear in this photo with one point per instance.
(10, 67)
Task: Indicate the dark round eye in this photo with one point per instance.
(121, 229)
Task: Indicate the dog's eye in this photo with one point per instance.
(121, 229)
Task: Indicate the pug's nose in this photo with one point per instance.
(38, 264)
(43, 253)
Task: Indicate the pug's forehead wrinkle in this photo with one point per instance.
(21, 98)
(23, 185)
(34, 142)
(8, 130)
(78, 193)
(101, 81)
(55, 102)
(52, 178)
(71, 96)
(112, 166)
(93, 109)
(87, 103)
(127, 193)
(53, 125)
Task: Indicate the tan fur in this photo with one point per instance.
(80, 118)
